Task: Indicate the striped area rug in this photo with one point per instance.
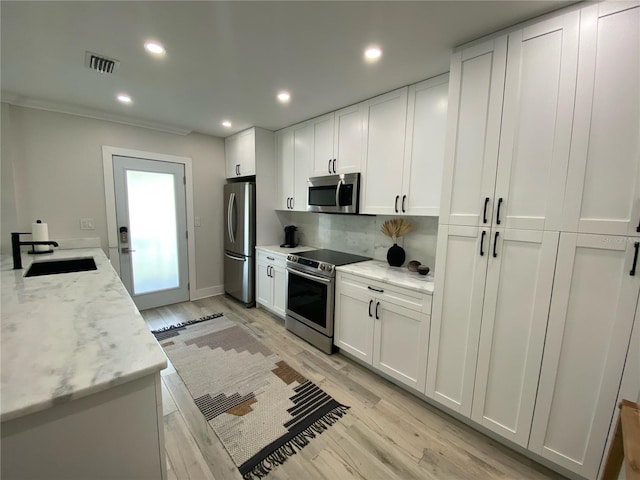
(261, 409)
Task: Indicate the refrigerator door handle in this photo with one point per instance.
(230, 226)
(234, 257)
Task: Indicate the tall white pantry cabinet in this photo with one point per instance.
(536, 285)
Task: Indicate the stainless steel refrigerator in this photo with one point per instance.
(240, 241)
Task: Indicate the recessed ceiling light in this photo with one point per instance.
(283, 97)
(226, 123)
(123, 98)
(155, 48)
(372, 54)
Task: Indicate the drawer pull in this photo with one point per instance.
(379, 290)
(270, 258)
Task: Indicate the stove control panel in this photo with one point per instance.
(312, 264)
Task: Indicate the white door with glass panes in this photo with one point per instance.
(603, 184)
(536, 124)
(461, 266)
(595, 292)
(152, 230)
(514, 323)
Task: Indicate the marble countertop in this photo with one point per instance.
(70, 335)
(277, 249)
(398, 276)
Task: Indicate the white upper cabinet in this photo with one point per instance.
(240, 153)
(384, 153)
(536, 124)
(338, 141)
(514, 322)
(603, 187)
(424, 146)
(294, 150)
(590, 322)
(473, 133)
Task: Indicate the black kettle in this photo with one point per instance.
(290, 237)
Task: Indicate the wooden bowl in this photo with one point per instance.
(413, 265)
(423, 269)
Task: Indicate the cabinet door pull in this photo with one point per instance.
(404, 198)
(334, 165)
(292, 203)
(396, 203)
(484, 212)
(495, 242)
(270, 258)
(238, 169)
(484, 232)
(268, 267)
(377, 305)
(370, 303)
(379, 290)
(329, 166)
(636, 245)
(498, 211)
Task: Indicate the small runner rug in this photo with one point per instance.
(261, 409)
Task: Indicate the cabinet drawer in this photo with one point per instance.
(275, 259)
(402, 297)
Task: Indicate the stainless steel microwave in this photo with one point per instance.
(334, 193)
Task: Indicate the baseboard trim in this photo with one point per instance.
(199, 293)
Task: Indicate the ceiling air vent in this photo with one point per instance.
(100, 63)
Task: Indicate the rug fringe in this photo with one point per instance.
(190, 322)
(297, 443)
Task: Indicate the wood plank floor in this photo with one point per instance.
(387, 434)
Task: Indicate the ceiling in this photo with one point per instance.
(227, 60)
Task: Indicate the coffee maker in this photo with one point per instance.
(290, 237)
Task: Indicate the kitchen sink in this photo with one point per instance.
(67, 265)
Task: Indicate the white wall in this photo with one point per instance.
(52, 170)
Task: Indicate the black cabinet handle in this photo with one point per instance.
(370, 303)
(270, 258)
(268, 270)
(377, 305)
(329, 166)
(291, 203)
(495, 242)
(238, 169)
(379, 290)
(484, 212)
(635, 259)
(334, 165)
(484, 232)
(396, 203)
(498, 211)
(638, 227)
(404, 198)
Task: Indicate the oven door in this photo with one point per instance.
(334, 193)
(310, 300)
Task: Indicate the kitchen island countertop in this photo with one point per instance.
(69, 335)
(398, 276)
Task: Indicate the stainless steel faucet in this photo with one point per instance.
(16, 243)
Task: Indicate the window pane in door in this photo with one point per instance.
(152, 231)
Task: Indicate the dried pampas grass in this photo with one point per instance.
(396, 227)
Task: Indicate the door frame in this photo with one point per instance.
(110, 200)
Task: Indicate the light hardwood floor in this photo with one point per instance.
(387, 434)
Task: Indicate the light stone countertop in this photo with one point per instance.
(398, 276)
(278, 250)
(69, 335)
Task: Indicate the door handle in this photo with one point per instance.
(329, 166)
(230, 226)
(636, 245)
(495, 242)
(484, 232)
(396, 203)
(291, 203)
(338, 193)
(370, 303)
(498, 211)
(269, 271)
(377, 305)
(334, 165)
(484, 211)
(238, 259)
(404, 198)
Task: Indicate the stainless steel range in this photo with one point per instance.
(311, 294)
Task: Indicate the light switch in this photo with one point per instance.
(87, 224)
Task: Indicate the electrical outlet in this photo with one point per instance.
(87, 224)
(196, 221)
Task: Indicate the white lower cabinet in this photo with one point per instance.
(384, 326)
(590, 323)
(271, 286)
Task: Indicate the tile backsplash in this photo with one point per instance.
(361, 235)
